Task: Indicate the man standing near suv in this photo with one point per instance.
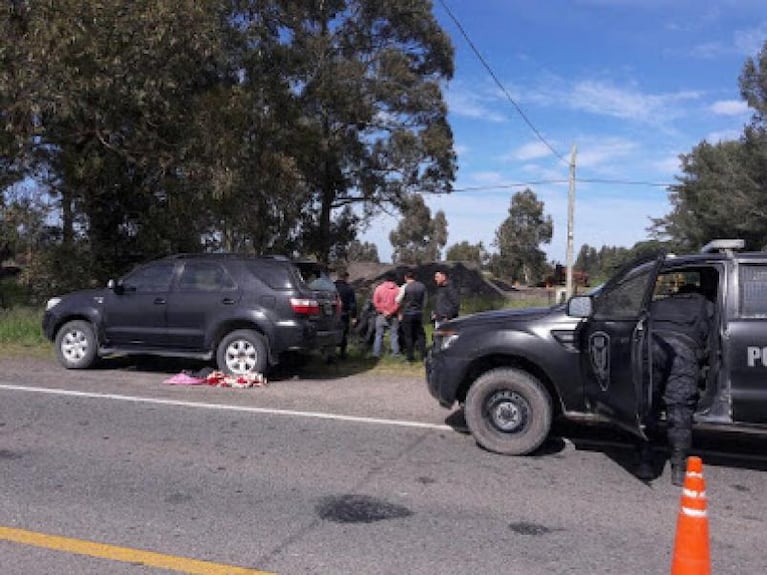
(447, 302)
(385, 303)
(412, 301)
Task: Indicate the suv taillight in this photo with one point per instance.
(304, 306)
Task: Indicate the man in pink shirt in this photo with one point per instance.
(385, 303)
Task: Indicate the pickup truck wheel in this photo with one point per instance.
(508, 411)
(241, 352)
(76, 345)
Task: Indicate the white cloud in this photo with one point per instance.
(669, 165)
(469, 104)
(750, 42)
(596, 153)
(530, 151)
(605, 99)
(746, 42)
(723, 136)
(729, 107)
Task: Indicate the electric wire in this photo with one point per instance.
(500, 85)
(510, 185)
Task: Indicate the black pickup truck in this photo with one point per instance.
(515, 371)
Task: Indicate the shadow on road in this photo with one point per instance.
(716, 449)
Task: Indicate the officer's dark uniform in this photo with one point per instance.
(446, 304)
(412, 307)
(680, 326)
(348, 310)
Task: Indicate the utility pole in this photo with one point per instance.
(570, 219)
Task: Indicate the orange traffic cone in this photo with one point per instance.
(691, 551)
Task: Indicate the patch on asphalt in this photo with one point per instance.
(359, 509)
(525, 528)
(8, 454)
(178, 498)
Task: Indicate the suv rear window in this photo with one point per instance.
(314, 276)
(277, 275)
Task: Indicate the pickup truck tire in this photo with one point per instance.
(508, 411)
(76, 345)
(241, 352)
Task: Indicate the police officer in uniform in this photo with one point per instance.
(679, 327)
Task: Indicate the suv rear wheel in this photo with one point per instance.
(76, 345)
(508, 411)
(242, 351)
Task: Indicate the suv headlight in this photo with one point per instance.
(444, 338)
(51, 303)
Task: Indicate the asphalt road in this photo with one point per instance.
(361, 474)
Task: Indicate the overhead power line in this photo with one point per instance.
(499, 84)
(510, 185)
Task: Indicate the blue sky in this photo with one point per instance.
(631, 83)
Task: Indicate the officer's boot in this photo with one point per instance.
(645, 470)
(678, 462)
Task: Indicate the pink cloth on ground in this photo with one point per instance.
(184, 379)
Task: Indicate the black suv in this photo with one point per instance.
(243, 310)
(517, 370)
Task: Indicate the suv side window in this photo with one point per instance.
(154, 278)
(624, 300)
(753, 290)
(205, 276)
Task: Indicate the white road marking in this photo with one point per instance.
(228, 407)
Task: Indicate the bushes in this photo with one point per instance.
(20, 326)
(54, 271)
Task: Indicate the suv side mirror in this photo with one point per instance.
(116, 286)
(580, 306)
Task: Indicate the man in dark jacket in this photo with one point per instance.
(348, 309)
(679, 328)
(412, 301)
(447, 301)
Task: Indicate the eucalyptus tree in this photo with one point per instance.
(418, 238)
(367, 77)
(722, 190)
(519, 238)
(109, 102)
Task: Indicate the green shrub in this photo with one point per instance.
(21, 326)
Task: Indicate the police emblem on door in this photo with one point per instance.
(599, 352)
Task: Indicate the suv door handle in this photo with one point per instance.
(227, 301)
(159, 301)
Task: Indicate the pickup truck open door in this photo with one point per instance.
(615, 348)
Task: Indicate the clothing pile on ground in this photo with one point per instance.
(207, 376)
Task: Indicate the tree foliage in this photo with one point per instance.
(174, 125)
(519, 237)
(722, 191)
(367, 85)
(362, 252)
(467, 252)
(418, 238)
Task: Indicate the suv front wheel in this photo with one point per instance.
(508, 411)
(241, 352)
(76, 345)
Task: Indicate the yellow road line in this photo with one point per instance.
(123, 554)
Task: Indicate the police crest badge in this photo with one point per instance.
(599, 353)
